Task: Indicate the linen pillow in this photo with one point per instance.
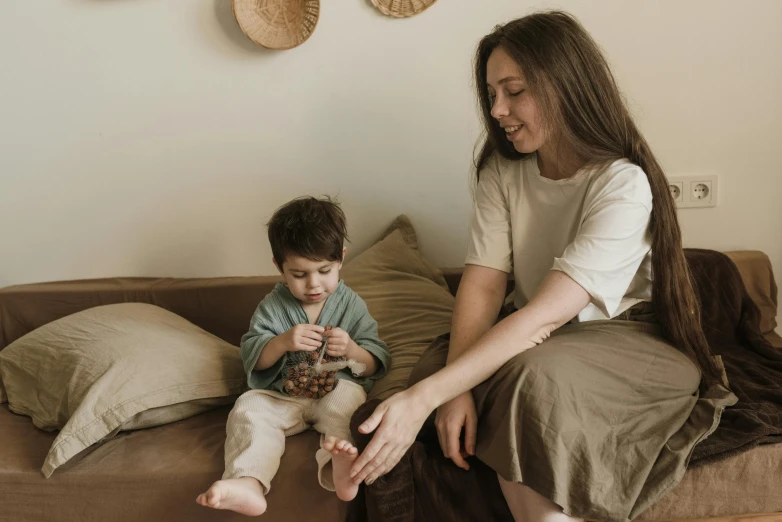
(407, 296)
(113, 368)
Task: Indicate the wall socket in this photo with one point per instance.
(694, 191)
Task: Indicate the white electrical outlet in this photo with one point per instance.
(677, 190)
(694, 191)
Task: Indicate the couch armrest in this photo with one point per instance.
(758, 277)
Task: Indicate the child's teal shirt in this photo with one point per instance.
(280, 311)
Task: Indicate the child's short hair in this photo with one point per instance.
(309, 227)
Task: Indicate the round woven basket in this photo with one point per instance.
(277, 24)
(401, 8)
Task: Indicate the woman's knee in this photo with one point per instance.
(674, 374)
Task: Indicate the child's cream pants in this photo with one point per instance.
(261, 419)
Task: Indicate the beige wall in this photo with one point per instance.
(151, 138)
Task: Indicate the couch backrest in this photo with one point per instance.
(224, 305)
(221, 305)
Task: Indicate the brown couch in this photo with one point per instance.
(154, 474)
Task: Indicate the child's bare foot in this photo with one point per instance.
(343, 453)
(243, 495)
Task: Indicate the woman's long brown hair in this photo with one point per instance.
(582, 107)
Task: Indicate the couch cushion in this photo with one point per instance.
(112, 368)
(407, 296)
(151, 475)
(750, 482)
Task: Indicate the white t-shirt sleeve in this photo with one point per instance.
(490, 242)
(612, 241)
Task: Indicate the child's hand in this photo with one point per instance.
(304, 338)
(339, 342)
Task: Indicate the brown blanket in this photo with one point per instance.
(426, 487)
(754, 367)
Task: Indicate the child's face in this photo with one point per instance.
(512, 104)
(311, 281)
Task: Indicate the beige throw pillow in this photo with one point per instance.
(407, 296)
(116, 367)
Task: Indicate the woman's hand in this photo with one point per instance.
(397, 422)
(451, 417)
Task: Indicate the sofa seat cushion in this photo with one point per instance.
(750, 482)
(152, 475)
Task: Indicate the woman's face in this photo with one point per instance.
(512, 105)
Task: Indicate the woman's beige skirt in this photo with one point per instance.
(601, 418)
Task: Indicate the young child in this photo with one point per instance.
(307, 240)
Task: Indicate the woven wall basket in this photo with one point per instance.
(277, 24)
(401, 8)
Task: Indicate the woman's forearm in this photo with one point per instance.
(507, 339)
(558, 300)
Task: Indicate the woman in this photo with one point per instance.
(588, 398)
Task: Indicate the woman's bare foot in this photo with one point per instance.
(343, 453)
(243, 495)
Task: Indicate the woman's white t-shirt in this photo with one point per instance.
(592, 226)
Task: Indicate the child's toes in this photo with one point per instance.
(213, 498)
(346, 446)
(329, 443)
